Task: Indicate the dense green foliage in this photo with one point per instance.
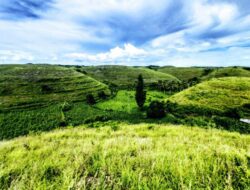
(156, 110)
(140, 93)
(127, 157)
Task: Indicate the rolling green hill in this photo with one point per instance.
(127, 157)
(218, 94)
(124, 76)
(183, 73)
(227, 72)
(25, 86)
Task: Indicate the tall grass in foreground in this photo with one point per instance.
(127, 157)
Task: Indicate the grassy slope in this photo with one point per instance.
(218, 94)
(227, 72)
(127, 157)
(120, 108)
(183, 73)
(125, 76)
(21, 86)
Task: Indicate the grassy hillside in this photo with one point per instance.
(124, 76)
(120, 108)
(183, 73)
(227, 72)
(219, 94)
(127, 157)
(26, 86)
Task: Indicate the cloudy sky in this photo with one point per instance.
(127, 32)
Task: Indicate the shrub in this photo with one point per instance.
(246, 106)
(102, 95)
(101, 118)
(156, 109)
(90, 99)
(234, 113)
(231, 124)
(46, 88)
(51, 173)
(115, 127)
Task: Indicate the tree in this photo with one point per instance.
(102, 95)
(90, 99)
(140, 94)
(156, 110)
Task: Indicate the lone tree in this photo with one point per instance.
(140, 94)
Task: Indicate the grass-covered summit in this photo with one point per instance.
(29, 85)
(182, 73)
(124, 76)
(227, 72)
(127, 157)
(218, 94)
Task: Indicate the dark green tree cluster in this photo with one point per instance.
(156, 110)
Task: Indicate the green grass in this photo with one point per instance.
(218, 94)
(35, 86)
(227, 72)
(125, 101)
(124, 76)
(183, 73)
(127, 157)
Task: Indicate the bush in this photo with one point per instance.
(46, 89)
(102, 95)
(246, 106)
(51, 173)
(101, 118)
(90, 99)
(234, 113)
(156, 109)
(231, 124)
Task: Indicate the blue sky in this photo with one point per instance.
(126, 32)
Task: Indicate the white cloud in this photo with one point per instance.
(115, 54)
(205, 14)
(15, 56)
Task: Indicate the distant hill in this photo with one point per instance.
(124, 76)
(219, 94)
(227, 72)
(23, 86)
(182, 73)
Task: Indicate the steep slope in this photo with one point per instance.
(127, 157)
(182, 73)
(124, 76)
(219, 94)
(28, 86)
